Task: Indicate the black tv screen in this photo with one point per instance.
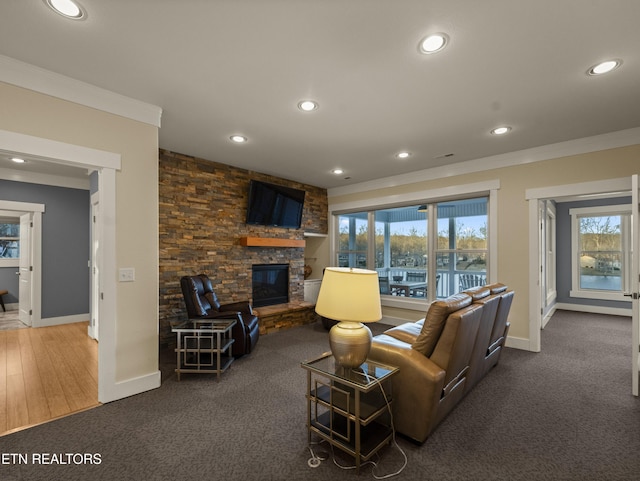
(274, 205)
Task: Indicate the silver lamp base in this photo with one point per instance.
(350, 343)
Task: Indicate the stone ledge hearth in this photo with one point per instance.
(283, 316)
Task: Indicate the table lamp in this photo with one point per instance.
(350, 296)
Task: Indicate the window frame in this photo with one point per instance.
(623, 210)
(487, 189)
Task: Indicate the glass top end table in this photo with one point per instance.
(203, 346)
(365, 377)
(348, 407)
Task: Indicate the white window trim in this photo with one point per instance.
(623, 209)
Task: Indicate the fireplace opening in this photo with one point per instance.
(270, 284)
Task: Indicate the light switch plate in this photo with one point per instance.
(126, 274)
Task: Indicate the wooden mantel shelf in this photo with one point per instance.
(270, 242)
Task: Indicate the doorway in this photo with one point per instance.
(604, 188)
(106, 164)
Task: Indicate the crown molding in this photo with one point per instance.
(621, 138)
(34, 78)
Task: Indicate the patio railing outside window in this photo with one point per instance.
(396, 243)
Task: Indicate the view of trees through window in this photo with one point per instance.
(400, 249)
(600, 241)
(9, 240)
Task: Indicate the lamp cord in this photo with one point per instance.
(315, 460)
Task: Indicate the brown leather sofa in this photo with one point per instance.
(202, 303)
(443, 356)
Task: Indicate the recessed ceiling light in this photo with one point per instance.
(604, 67)
(18, 160)
(501, 130)
(67, 8)
(433, 43)
(307, 105)
(238, 139)
(403, 155)
(337, 171)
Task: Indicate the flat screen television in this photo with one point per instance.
(274, 205)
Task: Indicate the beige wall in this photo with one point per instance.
(513, 213)
(27, 112)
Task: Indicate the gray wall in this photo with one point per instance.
(65, 246)
(9, 281)
(563, 250)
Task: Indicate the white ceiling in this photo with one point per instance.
(221, 67)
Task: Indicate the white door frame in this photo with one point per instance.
(635, 286)
(547, 218)
(555, 192)
(106, 163)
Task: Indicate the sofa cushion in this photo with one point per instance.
(496, 288)
(434, 322)
(478, 292)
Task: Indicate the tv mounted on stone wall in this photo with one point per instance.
(274, 205)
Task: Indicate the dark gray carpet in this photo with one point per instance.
(563, 414)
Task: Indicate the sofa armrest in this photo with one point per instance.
(237, 315)
(417, 387)
(241, 306)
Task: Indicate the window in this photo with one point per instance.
(462, 248)
(601, 240)
(9, 242)
(352, 240)
(399, 244)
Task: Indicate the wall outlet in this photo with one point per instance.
(126, 274)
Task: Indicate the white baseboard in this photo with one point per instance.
(91, 332)
(131, 387)
(518, 343)
(613, 311)
(547, 316)
(56, 321)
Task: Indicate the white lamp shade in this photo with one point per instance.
(349, 294)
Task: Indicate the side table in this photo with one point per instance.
(347, 407)
(203, 346)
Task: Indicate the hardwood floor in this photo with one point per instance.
(46, 373)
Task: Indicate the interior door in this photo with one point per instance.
(25, 272)
(635, 283)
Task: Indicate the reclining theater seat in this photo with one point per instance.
(433, 357)
(480, 359)
(492, 333)
(202, 303)
(501, 324)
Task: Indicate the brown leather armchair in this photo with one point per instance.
(202, 303)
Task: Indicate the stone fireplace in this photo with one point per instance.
(270, 284)
(202, 210)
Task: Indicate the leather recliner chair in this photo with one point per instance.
(202, 303)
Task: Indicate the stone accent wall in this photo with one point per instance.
(202, 208)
